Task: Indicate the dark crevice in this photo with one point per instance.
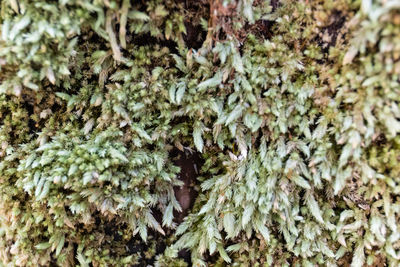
(110, 230)
(186, 256)
(194, 36)
(89, 37)
(190, 164)
(147, 39)
(275, 4)
(137, 246)
(31, 123)
(263, 28)
(333, 29)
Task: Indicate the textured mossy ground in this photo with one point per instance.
(204, 133)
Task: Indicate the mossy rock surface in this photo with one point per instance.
(199, 133)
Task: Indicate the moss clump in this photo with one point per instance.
(285, 114)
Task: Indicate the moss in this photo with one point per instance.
(286, 112)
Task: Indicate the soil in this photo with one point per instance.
(190, 164)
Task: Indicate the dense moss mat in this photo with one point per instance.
(200, 133)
